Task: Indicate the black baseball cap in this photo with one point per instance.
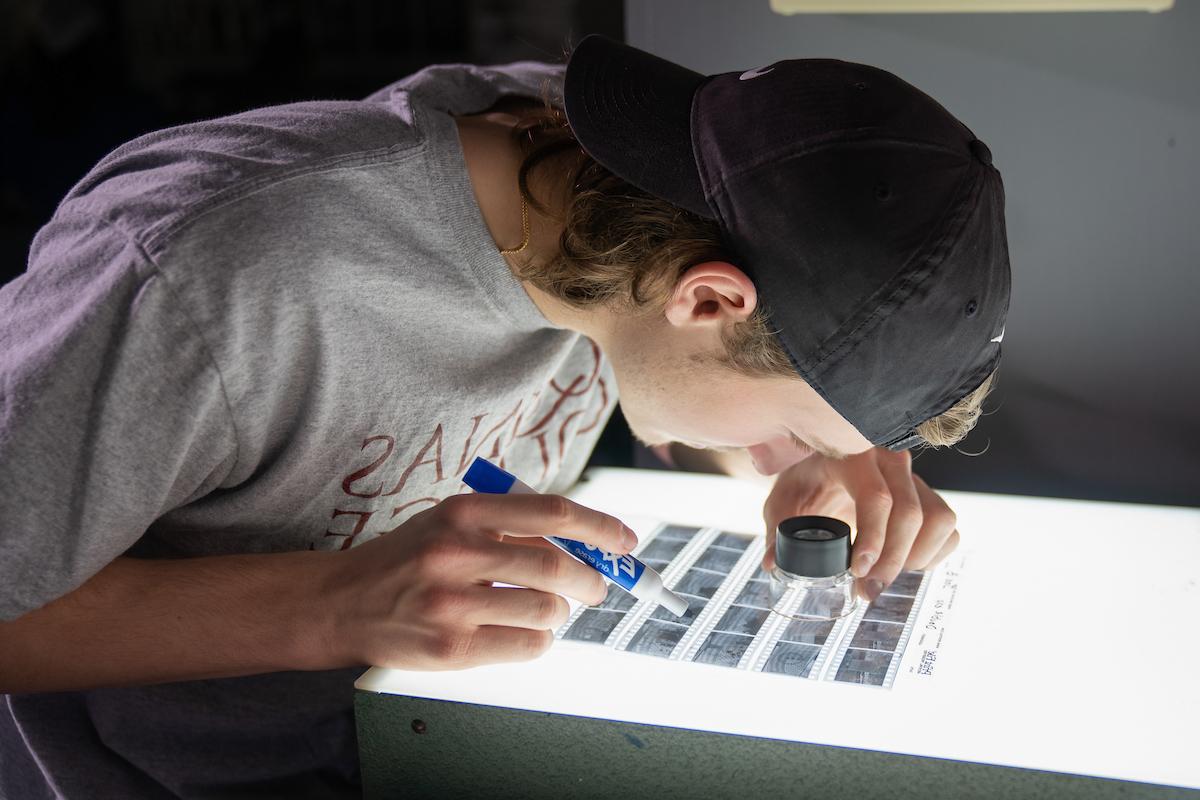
(869, 218)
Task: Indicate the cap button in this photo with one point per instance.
(981, 151)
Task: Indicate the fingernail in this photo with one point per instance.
(630, 539)
(862, 563)
(874, 589)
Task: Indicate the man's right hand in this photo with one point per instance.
(419, 597)
(422, 597)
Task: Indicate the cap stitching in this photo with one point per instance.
(905, 286)
(913, 279)
(973, 380)
(706, 176)
(825, 142)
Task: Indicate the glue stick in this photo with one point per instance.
(625, 571)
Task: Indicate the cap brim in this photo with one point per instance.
(631, 112)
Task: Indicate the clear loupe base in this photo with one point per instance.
(798, 597)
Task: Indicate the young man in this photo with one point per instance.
(252, 357)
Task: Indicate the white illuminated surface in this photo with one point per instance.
(1073, 645)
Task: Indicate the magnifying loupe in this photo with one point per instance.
(811, 578)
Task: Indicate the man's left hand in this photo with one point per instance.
(901, 522)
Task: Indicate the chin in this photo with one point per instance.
(651, 441)
(647, 436)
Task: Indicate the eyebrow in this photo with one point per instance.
(820, 447)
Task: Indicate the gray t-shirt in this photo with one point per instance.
(282, 330)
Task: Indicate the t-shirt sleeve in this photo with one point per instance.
(112, 411)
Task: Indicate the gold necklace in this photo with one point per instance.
(524, 228)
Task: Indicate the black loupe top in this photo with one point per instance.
(813, 547)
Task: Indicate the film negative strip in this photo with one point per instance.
(729, 622)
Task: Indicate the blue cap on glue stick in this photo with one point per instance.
(624, 570)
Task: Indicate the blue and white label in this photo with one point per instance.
(623, 570)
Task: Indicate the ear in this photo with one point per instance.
(714, 293)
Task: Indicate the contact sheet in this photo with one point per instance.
(729, 622)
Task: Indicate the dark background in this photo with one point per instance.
(80, 77)
(1094, 121)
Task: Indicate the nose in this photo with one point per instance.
(775, 455)
(766, 461)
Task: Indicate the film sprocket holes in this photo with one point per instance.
(811, 577)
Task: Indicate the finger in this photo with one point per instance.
(546, 570)
(947, 549)
(788, 500)
(938, 523)
(537, 515)
(768, 559)
(529, 541)
(514, 608)
(904, 521)
(488, 644)
(872, 507)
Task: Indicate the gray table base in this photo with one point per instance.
(416, 747)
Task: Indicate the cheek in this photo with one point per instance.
(664, 415)
(689, 405)
(720, 421)
(648, 410)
